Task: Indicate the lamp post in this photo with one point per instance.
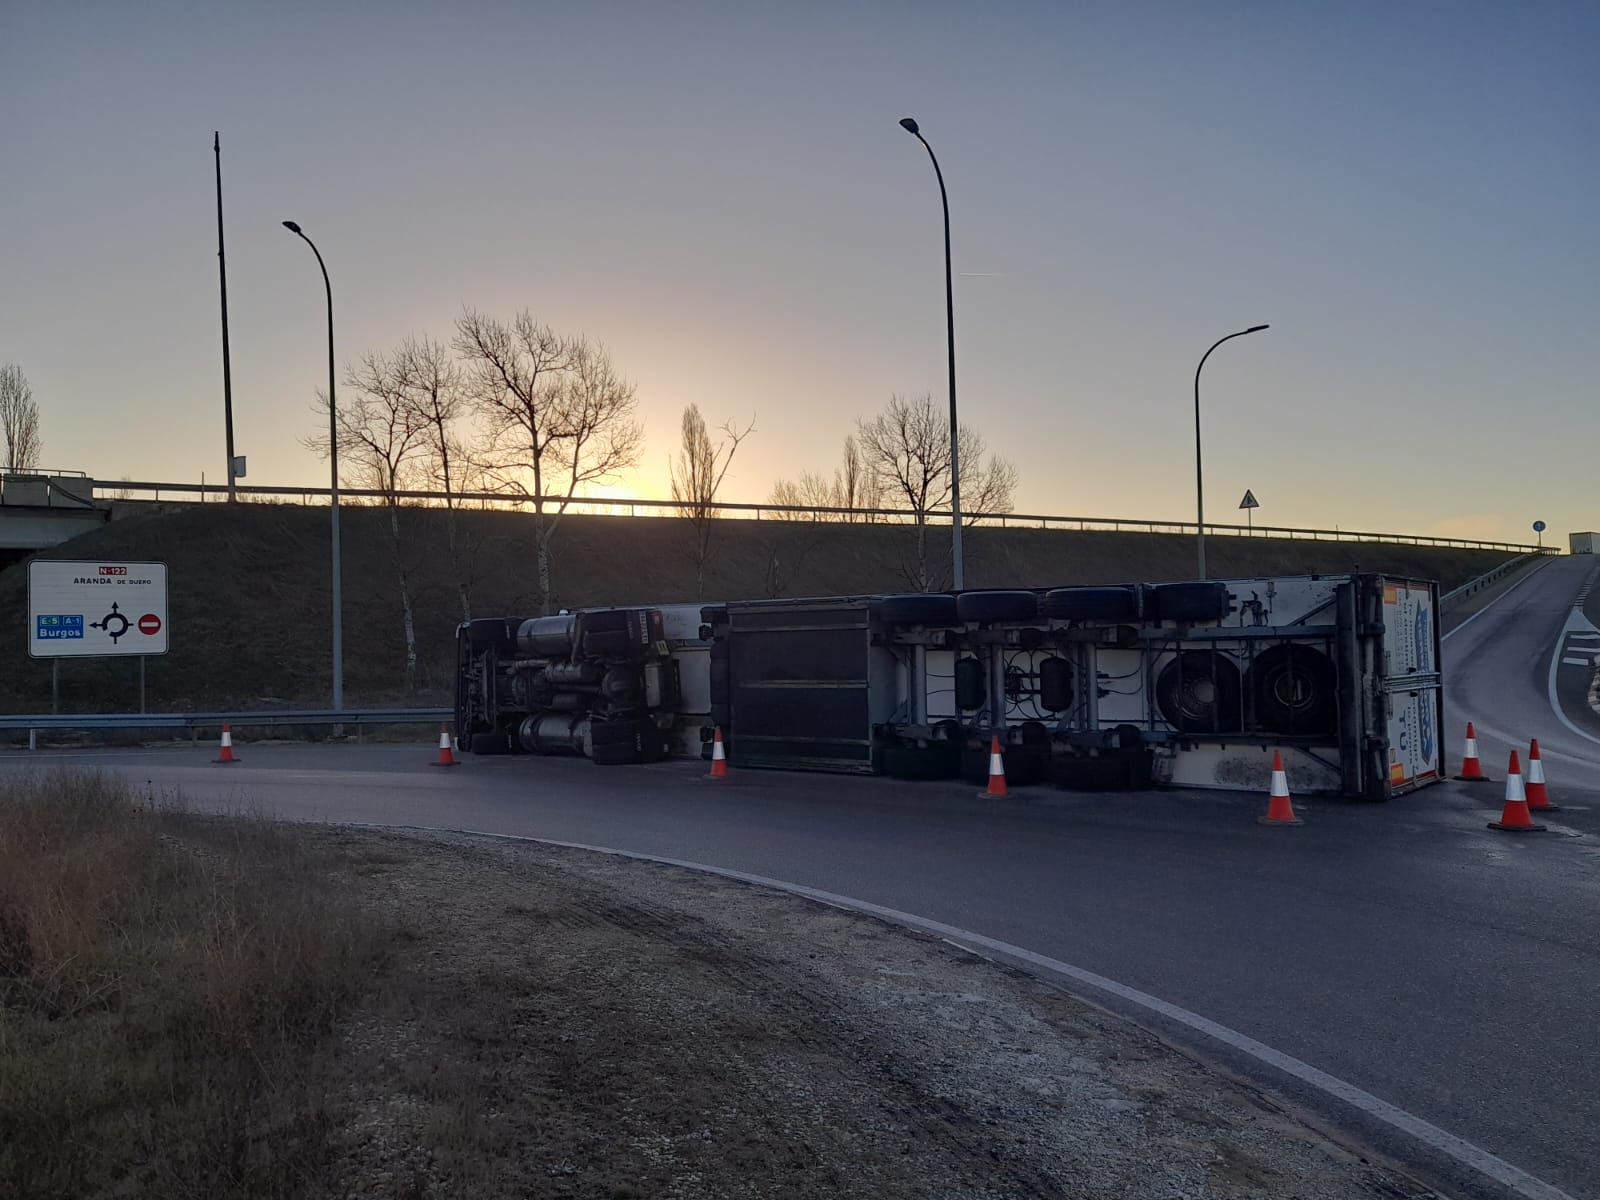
(227, 365)
(1199, 475)
(333, 456)
(958, 575)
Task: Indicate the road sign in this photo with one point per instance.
(94, 608)
(1538, 526)
(1249, 500)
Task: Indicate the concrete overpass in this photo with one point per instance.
(44, 509)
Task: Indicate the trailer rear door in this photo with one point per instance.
(799, 686)
(1412, 683)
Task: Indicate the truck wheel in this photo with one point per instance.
(997, 606)
(920, 762)
(491, 631)
(1295, 690)
(920, 608)
(613, 733)
(491, 741)
(1199, 692)
(619, 755)
(1091, 604)
(1187, 602)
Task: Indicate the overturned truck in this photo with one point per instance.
(1187, 684)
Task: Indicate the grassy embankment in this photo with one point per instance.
(250, 593)
(167, 984)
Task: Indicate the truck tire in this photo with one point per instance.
(1187, 602)
(1295, 690)
(491, 741)
(988, 607)
(1024, 765)
(1091, 604)
(920, 608)
(1199, 692)
(498, 632)
(619, 755)
(920, 762)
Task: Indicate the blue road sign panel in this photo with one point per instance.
(56, 626)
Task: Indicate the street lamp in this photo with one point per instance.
(1199, 479)
(910, 126)
(333, 455)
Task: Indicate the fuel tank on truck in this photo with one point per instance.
(547, 637)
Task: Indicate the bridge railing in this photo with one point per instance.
(1455, 597)
(196, 723)
(601, 506)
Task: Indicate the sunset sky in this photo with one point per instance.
(721, 194)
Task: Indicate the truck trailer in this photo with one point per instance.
(1186, 684)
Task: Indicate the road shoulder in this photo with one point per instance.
(623, 1028)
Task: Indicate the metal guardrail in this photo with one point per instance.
(189, 492)
(195, 722)
(1455, 596)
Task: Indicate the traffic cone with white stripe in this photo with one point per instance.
(1538, 797)
(1280, 810)
(719, 756)
(997, 770)
(227, 746)
(446, 757)
(1514, 818)
(1471, 768)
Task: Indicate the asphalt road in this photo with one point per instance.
(1402, 948)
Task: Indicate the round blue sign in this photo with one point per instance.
(1538, 526)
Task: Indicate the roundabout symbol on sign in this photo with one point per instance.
(112, 618)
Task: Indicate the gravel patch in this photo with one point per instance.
(573, 1024)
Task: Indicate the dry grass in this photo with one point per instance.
(166, 985)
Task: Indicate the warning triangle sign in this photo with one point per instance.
(1249, 500)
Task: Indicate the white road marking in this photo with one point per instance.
(1528, 1186)
(1585, 637)
(1578, 662)
(1576, 623)
(1537, 568)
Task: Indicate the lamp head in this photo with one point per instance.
(909, 124)
(292, 227)
(1257, 328)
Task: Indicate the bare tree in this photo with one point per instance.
(19, 419)
(852, 489)
(383, 443)
(697, 474)
(789, 539)
(906, 448)
(558, 416)
(434, 390)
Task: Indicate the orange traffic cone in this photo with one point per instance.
(227, 746)
(1515, 818)
(1471, 768)
(719, 756)
(446, 757)
(1538, 798)
(997, 770)
(1279, 809)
